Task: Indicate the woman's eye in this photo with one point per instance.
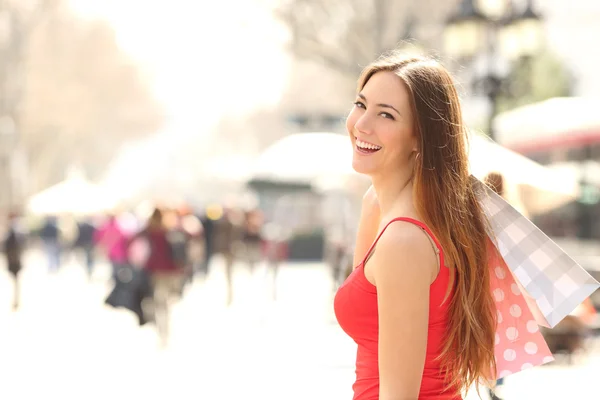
(387, 115)
(359, 104)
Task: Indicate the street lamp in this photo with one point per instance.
(492, 28)
(464, 30)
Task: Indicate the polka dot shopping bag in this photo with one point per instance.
(519, 342)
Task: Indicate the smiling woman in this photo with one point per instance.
(419, 303)
(381, 118)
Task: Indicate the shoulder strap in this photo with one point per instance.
(438, 247)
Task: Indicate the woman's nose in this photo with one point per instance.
(364, 124)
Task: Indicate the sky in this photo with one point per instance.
(207, 59)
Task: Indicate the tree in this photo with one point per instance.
(333, 40)
(535, 79)
(345, 35)
(17, 20)
(78, 96)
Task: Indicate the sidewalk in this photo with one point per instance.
(64, 343)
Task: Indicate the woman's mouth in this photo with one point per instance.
(366, 148)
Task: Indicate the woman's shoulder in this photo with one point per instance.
(402, 245)
(402, 234)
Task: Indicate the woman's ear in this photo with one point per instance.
(415, 144)
(415, 149)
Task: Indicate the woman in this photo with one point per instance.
(165, 275)
(13, 248)
(113, 239)
(418, 303)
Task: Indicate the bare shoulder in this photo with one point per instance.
(403, 269)
(404, 249)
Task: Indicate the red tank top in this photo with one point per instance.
(355, 307)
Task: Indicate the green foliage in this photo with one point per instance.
(535, 79)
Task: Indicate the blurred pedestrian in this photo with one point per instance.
(13, 246)
(337, 254)
(85, 243)
(275, 248)
(208, 219)
(179, 242)
(51, 238)
(253, 239)
(228, 232)
(113, 239)
(194, 242)
(419, 303)
(166, 274)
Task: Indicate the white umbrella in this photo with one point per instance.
(305, 158)
(540, 189)
(548, 119)
(75, 195)
(233, 168)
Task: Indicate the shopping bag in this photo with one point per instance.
(551, 282)
(519, 344)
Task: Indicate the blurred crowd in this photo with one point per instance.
(156, 253)
(153, 256)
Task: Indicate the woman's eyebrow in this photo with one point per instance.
(383, 105)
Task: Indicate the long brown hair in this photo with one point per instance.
(445, 198)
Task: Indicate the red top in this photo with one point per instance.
(356, 311)
(161, 257)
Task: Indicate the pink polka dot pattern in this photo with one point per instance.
(515, 289)
(512, 333)
(498, 294)
(510, 354)
(500, 274)
(519, 342)
(515, 310)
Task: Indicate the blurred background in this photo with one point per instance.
(177, 204)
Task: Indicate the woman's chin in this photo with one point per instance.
(362, 167)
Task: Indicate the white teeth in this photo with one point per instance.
(365, 145)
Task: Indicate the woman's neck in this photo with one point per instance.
(395, 195)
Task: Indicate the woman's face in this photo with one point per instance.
(381, 126)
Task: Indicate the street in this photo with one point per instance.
(65, 343)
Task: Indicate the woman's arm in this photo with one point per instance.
(368, 225)
(403, 267)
